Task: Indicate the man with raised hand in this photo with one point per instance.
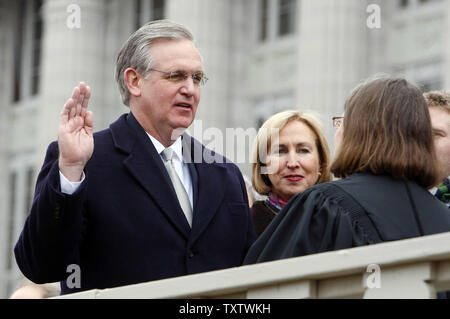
(129, 204)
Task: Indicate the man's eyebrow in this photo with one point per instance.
(438, 130)
(183, 70)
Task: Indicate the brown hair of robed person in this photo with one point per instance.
(387, 130)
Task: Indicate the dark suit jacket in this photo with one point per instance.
(124, 224)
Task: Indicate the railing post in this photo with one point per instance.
(442, 278)
(405, 282)
(289, 290)
(341, 287)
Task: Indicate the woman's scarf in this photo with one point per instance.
(275, 201)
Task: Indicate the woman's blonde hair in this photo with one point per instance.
(276, 123)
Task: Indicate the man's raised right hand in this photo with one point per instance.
(75, 134)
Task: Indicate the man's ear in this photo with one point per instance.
(132, 80)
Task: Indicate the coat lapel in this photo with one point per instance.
(209, 189)
(146, 166)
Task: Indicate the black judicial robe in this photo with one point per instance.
(359, 210)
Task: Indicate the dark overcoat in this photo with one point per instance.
(124, 224)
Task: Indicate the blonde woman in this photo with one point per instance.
(290, 154)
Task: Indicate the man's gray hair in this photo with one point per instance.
(135, 52)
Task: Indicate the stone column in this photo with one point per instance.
(7, 24)
(119, 25)
(332, 55)
(446, 45)
(71, 53)
(209, 21)
(222, 32)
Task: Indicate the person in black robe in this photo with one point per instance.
(386, 159)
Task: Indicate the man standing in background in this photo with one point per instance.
(439, 106)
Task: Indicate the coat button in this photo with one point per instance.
(57, 211)
(191, 254)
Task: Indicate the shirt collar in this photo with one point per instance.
(176, 146)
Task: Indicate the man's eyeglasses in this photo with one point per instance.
(338, 121)
(178, 76)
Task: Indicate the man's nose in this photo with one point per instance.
(188, 86)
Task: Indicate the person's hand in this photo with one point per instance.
(75, 134)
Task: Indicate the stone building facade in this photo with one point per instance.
(261, 56)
